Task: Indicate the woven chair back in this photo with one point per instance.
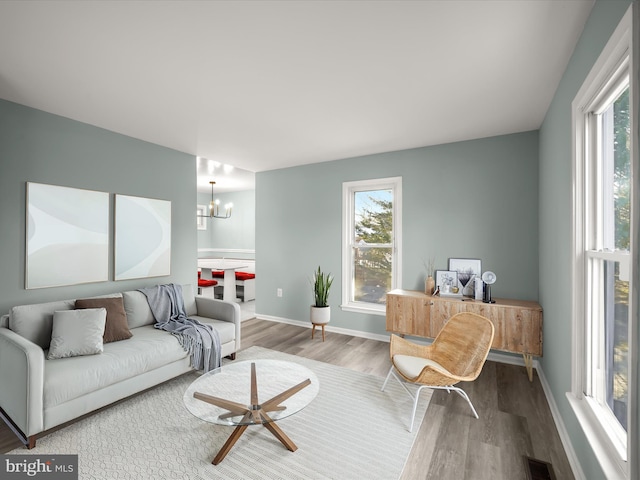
(463, 344)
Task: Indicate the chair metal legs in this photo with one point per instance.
(387, 379)
(463, 394)
(416, 396)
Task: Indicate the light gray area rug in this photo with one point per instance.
(351, 430)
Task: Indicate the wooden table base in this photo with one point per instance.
(254, 414)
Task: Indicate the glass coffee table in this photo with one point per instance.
(254, 392)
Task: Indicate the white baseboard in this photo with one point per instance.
(493, 356)
(328, 328)
(562, 430)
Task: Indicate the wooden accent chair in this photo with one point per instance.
(456, 355)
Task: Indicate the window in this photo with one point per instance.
(371, 256)
(607, 258)
(603, 253)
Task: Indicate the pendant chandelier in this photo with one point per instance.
(214, 207)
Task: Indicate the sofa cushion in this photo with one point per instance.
(137, 309)
(148, 349)
(34, 322)
(116, 328)
(77, 332)
(226, 330)
(189, 300)
(411, 367)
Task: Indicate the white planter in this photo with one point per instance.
(320, 315)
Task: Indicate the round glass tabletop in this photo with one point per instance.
(236, 395)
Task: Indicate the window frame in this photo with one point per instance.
(617, 59)
(348, 234)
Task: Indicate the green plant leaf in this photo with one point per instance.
(321, 286)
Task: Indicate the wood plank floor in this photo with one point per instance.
(515, 419)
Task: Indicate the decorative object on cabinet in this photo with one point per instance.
(468, 269)
(518, 323)
(67, 237)
(429, 282)
(456, 355)
(489, 278)
(447, 283)
(479, 288)
(429, 285)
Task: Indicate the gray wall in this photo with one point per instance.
(39, 147)
(475, 199)
(237, 232)
(555, 221)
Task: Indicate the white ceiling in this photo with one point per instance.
(263, 85)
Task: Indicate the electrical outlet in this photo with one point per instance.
(279, 292)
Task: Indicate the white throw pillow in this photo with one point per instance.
(77, 332)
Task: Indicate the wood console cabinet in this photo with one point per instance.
(517, 323)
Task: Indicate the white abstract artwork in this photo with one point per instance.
(67, 236)
(143, 237)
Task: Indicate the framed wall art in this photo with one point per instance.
(67, 236)
(143, 237)
(468, 269)
(447, 283)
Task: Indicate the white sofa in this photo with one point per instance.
(37, 394)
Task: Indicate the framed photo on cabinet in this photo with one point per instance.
(447, 283)
(468, 269)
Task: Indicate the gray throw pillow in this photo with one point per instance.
(77, 332)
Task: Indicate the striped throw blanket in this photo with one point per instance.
(200, 340)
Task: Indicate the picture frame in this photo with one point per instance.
(446, 282)
(142, 237)
(468, 269)
(201, 217)
(67, 236)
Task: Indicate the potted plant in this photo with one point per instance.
(320, 310)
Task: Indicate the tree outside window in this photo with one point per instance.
(373, 258)
(371, 252)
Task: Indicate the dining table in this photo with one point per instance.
(229, 267)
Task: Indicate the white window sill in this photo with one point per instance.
(358, 308)
(608, 455)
